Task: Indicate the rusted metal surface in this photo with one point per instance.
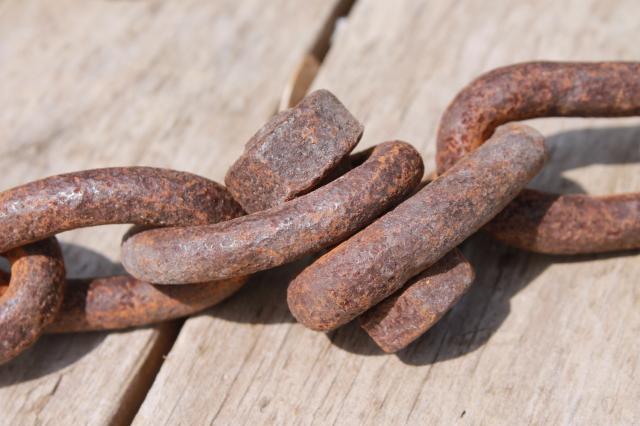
(118, 302)
(549, 223)
(281, 234)
(33, 297)
(122, 301)
(531, 90)
(407, 314)
(146, 196)
(137, 195)
(378, 260)
(293, 152)
(569, 224)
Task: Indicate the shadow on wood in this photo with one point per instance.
(585, 147)
(263, 300)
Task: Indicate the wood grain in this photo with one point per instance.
(539, 339)
(95, 84)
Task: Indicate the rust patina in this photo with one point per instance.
(141, 195)
(281, 234)
(33, 296)
(539, 221)
(377, 261)
(136, 195)
(406, 315)
(293, 152)
(122, 301)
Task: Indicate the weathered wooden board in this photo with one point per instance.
(540, 339)
(94, 84)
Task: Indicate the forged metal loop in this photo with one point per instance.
(33, 297)
(142, 195)
(406, 315)
(292, 153)
(136, 195)
(377, 261)
(281, 234)
(119, 302)
(539, 221)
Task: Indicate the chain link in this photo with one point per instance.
(540, 221)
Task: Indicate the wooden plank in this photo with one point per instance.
(539, 339)
(93, 84)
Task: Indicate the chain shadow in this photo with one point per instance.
(469, 325)
(54, 352)
(263, 300)
(604, 146)
(505, 271)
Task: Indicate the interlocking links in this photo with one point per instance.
(283, 156)
(141, 195)
(281, 234)
(378, 260)
(537, 221)
(137, 195)
(33, 296)
(122, 301)
(407, 314)
(293, 152)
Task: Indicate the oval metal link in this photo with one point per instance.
(136, 195)
(122, 301)
(33, 297)
(539, 221)
(281, 234)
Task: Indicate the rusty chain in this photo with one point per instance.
(391, 256)
(538, 221)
